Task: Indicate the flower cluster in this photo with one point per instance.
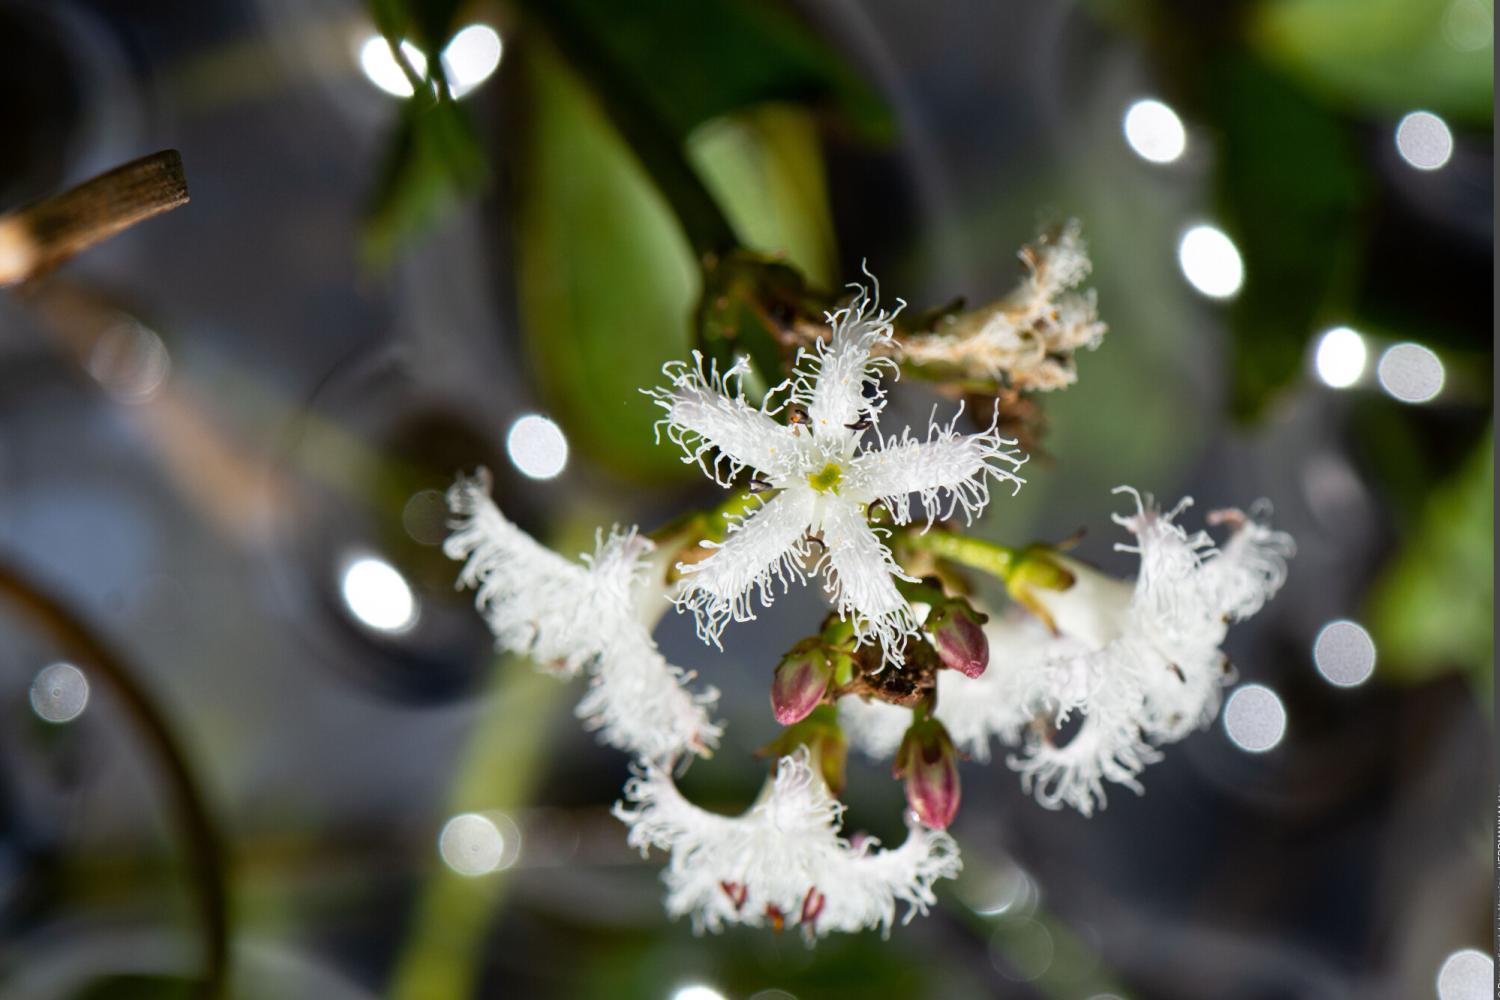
(1085, 680)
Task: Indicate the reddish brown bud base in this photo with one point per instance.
(961, 643)
(928, 763)
(800, 683)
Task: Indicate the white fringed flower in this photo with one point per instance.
(825, 483)
(1153, 671)
(781, 862)
(1138, 662)
(581, 616)
(1027, 340)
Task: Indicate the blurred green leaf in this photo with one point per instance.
(692, 62)
(606, 281)
(1290, 185)
(765, 167)
(434, 161)
(1433, 608)
(1386, 56)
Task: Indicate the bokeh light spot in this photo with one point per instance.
(473, 844)
(1211, 262)
(1411, 373)
(537, 447)
(378, 595)
(1340, 357)
(471, 56)
(1466, 975)
(1344, 653)
(381, 68)
(1424, 140)
(697, 991)
(130, 361)
(1154, 131)
(1022, 951)
(1254, 718)
(59, 693)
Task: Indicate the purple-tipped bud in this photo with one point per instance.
(800, 682)
(960, 642)
(928, 763)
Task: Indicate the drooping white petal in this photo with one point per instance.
(710, 419)
(1249, 568)
(1154, 669)
(948, 472)
(580, 617)
(838, 379)
(860, 575)
(765, 548)
(533, 599)
(1108, 746)
(782, 861)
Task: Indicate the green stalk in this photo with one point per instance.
(990, 557)
(499, 769)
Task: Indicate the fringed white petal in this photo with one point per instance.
(874, 728)
(1249, 568)
(1155, 672)
(710, 419)
(782, 862)
(535, 601)
(1108, 746)
(580, 616)
(763, 549)
(837, 379)
(860, 573)
(949, 471)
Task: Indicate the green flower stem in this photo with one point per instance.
(990, 557)
(499, 769)
(189, 810)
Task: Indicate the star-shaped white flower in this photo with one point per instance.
(825, 481)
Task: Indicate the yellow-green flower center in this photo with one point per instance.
(826, 479)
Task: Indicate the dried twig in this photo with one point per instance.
(37, 238)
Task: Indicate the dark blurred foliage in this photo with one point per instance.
(207, 418)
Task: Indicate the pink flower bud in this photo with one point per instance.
(929, 764)
(960, 642)
(800, 682)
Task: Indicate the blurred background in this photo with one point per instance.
(297, 766)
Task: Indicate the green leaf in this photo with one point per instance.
(1386, 57)
(692, 62)
(606, 281)
(434, 162)
(765, 168)
(1432, 609)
